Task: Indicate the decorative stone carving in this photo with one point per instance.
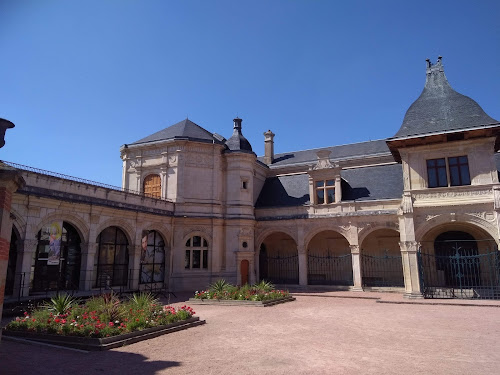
(430, 217)
(189, 230)
(246, 232)
(323, 160)
(199, 160)
(453, 194)
(354, 249)
(496, 197)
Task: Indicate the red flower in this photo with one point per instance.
(111, 324)
(63, 321)
(57, 320)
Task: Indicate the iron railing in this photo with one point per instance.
(463, 272)
(78, 179)
(280, 269)
(382, 270)
(329, 269)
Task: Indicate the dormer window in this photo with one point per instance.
(454, 169)
(325, 191)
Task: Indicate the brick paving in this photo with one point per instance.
(319, 333)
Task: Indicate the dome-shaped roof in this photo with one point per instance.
(439, 108)
(238, 142)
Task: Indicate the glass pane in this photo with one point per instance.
(330, 195)
(320, 196)
(431, 163)
(196, 258)
(121, 254)
(441, 162)
(463, 160)
(108, 235)
(453, 161)
(187, 259)
(330, 183)
(205, 244)
(432, 177)
(443, 180)
(146, 273)
(464, 171)
(158, 273)
(188, 243)
(454, 175)
(320, 183)
(106, 254)
(205, 259)
(120, 237)
(196, 241)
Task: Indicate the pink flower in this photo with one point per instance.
(111, 324)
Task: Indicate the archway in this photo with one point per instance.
(329, 260)
(278, 259)
(381, 264)
(460, 260)
(57, 258)
(112, 258)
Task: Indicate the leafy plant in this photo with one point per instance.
(219, 287)
(60, 304)
(111, 306)
(143, 300)
(265, 286)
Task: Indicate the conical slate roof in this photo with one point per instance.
(186, 129)
(439, 108)
(238, 142)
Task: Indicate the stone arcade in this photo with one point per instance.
(418, 211)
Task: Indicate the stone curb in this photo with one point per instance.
(196, 301)
(436, 303)
(105, 343)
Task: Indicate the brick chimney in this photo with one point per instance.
(269, 147)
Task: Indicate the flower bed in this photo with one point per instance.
(221, 292)
(100, 317)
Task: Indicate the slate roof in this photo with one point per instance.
(337, 153)
(439, 108)
(358, 184)
(186, 129)
(238, 142)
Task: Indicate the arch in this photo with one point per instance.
(57, 257)
(20, 223)
(151, 185)
(329, 259)
(153, 250)
(10, 279)
(122, 224)
(164, 232)
(75, 221)
(380, 257)
(326, 228)
(267, 232)
(278, 258)
(365, 232)
(112, 257)
(469, 221)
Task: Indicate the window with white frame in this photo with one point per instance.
(196, 256)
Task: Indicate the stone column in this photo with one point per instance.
(10, 181)
(24, 270)
(87, 278)
(134, 269)
(411, 272)
(302, 265)
(356, 268)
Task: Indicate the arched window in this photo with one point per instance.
(152, 186)
(57, 258)
(112, 258)
(196, 253)
(152, 257)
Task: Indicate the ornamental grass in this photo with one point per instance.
(222, 290)
(101, 316)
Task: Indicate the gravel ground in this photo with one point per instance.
(319, 333)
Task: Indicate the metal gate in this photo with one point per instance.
(279, 269)
(382, 271)
(329, 270)
(462, 273)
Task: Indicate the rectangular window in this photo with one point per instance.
(459, 171)
(325, 191)
(456, 167)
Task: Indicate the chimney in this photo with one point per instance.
(269, 147)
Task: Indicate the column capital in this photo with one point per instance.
(354, 249)
(409, 246)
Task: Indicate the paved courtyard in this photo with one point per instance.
(319, 333)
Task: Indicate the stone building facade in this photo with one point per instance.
(195, 207)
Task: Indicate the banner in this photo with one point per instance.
(55, 234)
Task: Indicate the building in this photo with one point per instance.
(418, 212)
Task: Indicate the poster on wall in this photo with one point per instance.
(54, 231)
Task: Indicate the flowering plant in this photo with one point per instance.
(101, 316)
(221, 290)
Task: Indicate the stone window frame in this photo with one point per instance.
(324, 185)
(190, 249)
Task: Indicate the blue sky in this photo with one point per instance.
(81, 78)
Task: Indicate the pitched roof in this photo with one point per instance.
(186, 129)
(439, 108)
(352, 150)
(358, 184)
